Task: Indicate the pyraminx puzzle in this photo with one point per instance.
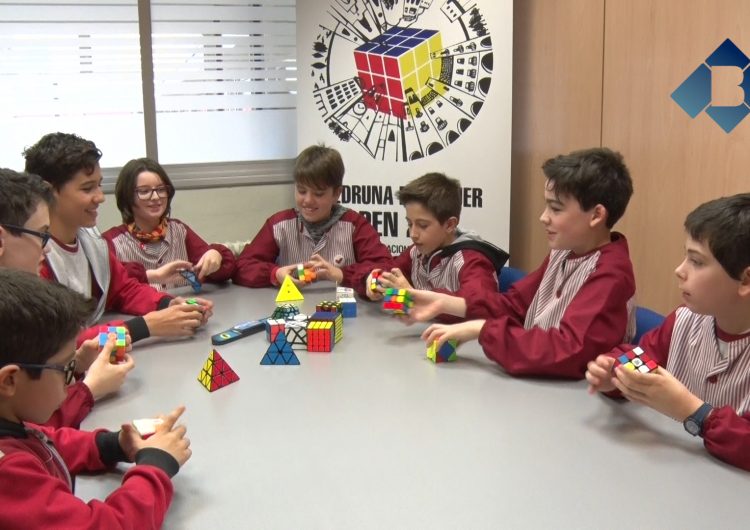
(288, 293)
(280, 352)
(216, 373)
(446, 352)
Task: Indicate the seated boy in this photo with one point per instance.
(24, 225)
(340, 244)
(579, 302)
(79, 258)
(40, 321)
(443, 258)
(703, 347)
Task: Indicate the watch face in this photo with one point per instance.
(692, 427)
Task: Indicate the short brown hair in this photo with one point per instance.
(20, 194)
(57, 157)
(126, 184)
(438, 193)
(319, 167)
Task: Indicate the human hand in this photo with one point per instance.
(103, 377)
(177, 320)
(429, 304)
(599, 374)
(394, 279)
(376, 294)
(659, 390)
(463, 332)
(86, 354)
(208, 264)
(288, 270)
(168, 273)
(168, 437)
(324, 269)
(206, 307)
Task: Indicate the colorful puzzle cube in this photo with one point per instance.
(274, 327)
(330, 306)
(393, 69)
(216, 373)
(397, 301)
(121, 343)
(349, 307)
(446, 353)
(320, 336)
(336, 318)
(305, 275)
(375, 280)
(285, 312)
(280, 353)
(296, 334)
(636, 359)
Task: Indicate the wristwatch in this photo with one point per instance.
(694, 423)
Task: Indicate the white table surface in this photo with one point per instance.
(375, 436)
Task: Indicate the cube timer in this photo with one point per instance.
(397, 301)
(349, 307)
(121, 343)
(305, 275)
(636, 359)
(393, 69)
(446, 353)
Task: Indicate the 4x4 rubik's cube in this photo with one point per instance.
(393, 69)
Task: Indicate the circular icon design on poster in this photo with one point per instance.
(404, 79)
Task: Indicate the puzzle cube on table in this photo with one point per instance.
(320, 336)
(446, 352)
(305, 275)
(349, 307)
(285, 312)
(216, 373)
(280, 353)
(394, 67)
(330, 306)
(274, 327)
(397, 301)
(336, 318)
(121, 343)
(296, 334)
(636, 359)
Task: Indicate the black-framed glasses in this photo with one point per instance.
(145, 194)
(44, 236)
(68, 369)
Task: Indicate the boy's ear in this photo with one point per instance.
(8, 379)
(337, 192)
(744, 289)
(598, 216)
(451, 224)
(2, 241)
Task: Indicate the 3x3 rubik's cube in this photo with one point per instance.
(636, 359)
(397, 301)
(121, 344)
(305, 275)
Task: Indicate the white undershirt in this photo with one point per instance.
(76, 273)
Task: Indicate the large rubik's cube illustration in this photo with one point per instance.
(393, 69)
(216, 373)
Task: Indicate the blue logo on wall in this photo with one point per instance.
(694, 94)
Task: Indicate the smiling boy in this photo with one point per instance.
(340, 244)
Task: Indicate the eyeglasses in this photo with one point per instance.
(145, 194)
(67, 369)
(44, 236)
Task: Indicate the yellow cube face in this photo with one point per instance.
(434, 44)
(406, 64)
(421, 54)
(424, 74)
(629, 366)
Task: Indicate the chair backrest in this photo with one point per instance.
(508, 276)
(645, 320)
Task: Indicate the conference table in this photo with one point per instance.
(375, 436)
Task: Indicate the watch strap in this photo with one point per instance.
(694, 423)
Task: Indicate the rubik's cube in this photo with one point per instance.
(336, 318)
(349, 307)
(330, 307)
(305, 275)
(446, 352)
(285, 312)
(320, 336)
(296, 334)
(636, 359)
(274, 327)
(375, 280)
(393, 69)
(121, 344)
(397, 301)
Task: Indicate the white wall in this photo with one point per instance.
(219, 214)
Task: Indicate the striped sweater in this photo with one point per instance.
(555, 320)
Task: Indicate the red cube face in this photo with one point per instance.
(384, 104)
(376, 64)
(394, 89)
(391, 67)
(360, 59)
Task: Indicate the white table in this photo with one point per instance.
(375, 436)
